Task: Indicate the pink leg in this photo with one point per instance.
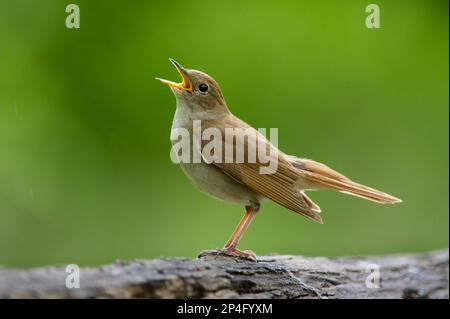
(230, 246)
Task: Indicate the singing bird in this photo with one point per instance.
(199, 98)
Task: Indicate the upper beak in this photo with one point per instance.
(186, 84)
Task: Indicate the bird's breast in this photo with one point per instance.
(208, 177)
(213, 181)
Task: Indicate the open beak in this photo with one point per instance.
(185, 84)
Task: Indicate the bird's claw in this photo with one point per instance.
(233, 252)
(244, 254)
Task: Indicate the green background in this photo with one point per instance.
(85, 173)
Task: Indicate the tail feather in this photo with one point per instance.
(314, 207)
(362, 191)
(323, 176)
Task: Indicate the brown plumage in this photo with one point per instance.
(199, 98)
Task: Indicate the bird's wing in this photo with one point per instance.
(279, 186)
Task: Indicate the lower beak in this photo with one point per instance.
(186, 84)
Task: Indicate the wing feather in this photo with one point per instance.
(280, 186)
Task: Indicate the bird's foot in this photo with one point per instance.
(245, 254)
(233, 252)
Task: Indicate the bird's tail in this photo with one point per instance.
(321, 176)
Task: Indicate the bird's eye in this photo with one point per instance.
(203, 87)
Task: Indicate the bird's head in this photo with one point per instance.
(198, 91)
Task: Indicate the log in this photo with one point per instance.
(214, 275)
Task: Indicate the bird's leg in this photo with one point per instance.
(230, 246)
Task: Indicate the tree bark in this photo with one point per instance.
(213, 275)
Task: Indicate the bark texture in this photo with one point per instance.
(213, 275)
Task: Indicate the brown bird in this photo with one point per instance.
(199, 98)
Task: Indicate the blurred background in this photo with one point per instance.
(85, 173)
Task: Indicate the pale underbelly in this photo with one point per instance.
(211, 180)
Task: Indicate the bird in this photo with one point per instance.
(199, 98)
